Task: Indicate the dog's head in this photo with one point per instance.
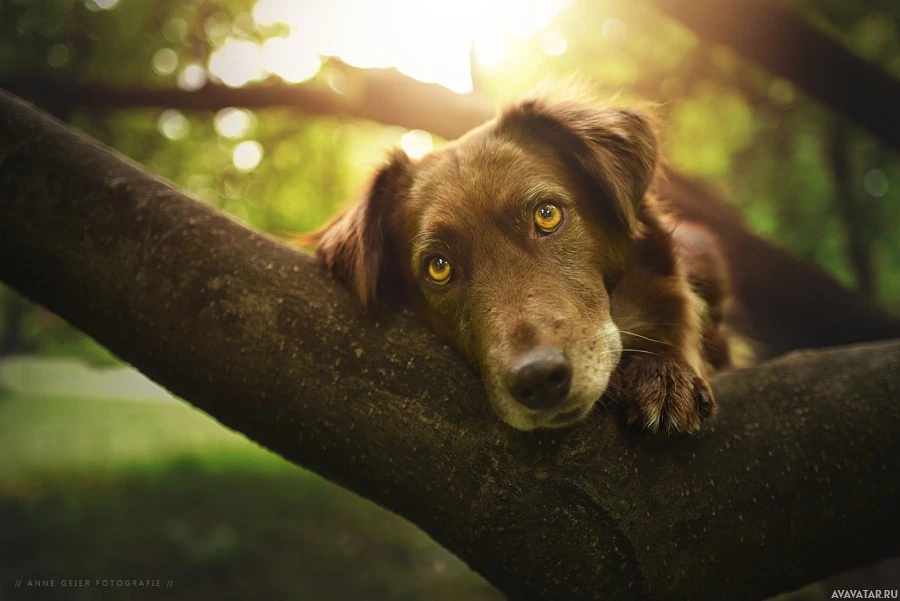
(507, 241)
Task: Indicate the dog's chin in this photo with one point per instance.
(525, 420)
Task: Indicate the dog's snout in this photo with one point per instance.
(540, 379)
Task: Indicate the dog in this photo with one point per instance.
(535, 246)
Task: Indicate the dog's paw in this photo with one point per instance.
(665, 395)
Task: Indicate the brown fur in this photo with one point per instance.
(631, 302)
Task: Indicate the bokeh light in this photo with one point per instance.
(192, 77)
(173, 124)
(58, 55)
(175, 30)
(876, 183)
(165, 61)
(247, 155)
(233, 123)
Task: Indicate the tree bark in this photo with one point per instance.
(794, 480)
(786, 45)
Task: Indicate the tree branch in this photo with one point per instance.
(786, 45)
(783, 303)
(795, 479)
(382, 95)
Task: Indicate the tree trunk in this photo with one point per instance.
(794, 480)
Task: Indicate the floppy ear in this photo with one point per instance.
(358, 244)
(612, 151)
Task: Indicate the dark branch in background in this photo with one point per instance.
(858, 248)
(381, 95)
(258, 336)
(786, 45)
(783, 302)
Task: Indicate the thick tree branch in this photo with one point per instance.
(786, 45)
(794, 480)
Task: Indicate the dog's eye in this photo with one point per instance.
(439, 270)
(548, 218)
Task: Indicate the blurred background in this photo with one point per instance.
(276, 111)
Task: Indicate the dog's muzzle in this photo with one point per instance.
(540, 379)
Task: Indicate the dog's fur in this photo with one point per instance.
(633, 300)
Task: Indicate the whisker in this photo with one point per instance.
(608, 352)
(613, 387)
(625, 323)
(635, 350)
(646, 337)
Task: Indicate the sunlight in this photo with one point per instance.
(237, 62)
(290, 59)
(427, 40)
(553, 43)
(489, 48)
(416, 143)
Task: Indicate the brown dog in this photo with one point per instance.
(533, 245)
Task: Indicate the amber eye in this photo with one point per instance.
(439, 270)
(548, 217)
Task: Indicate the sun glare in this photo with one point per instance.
(290, 58)
(428, 40)
(416, 143)
(237, 62)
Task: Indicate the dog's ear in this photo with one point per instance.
(359, 244)
(612, 151)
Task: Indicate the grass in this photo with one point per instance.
(94, 489)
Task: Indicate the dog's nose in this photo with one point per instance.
(540, 379)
